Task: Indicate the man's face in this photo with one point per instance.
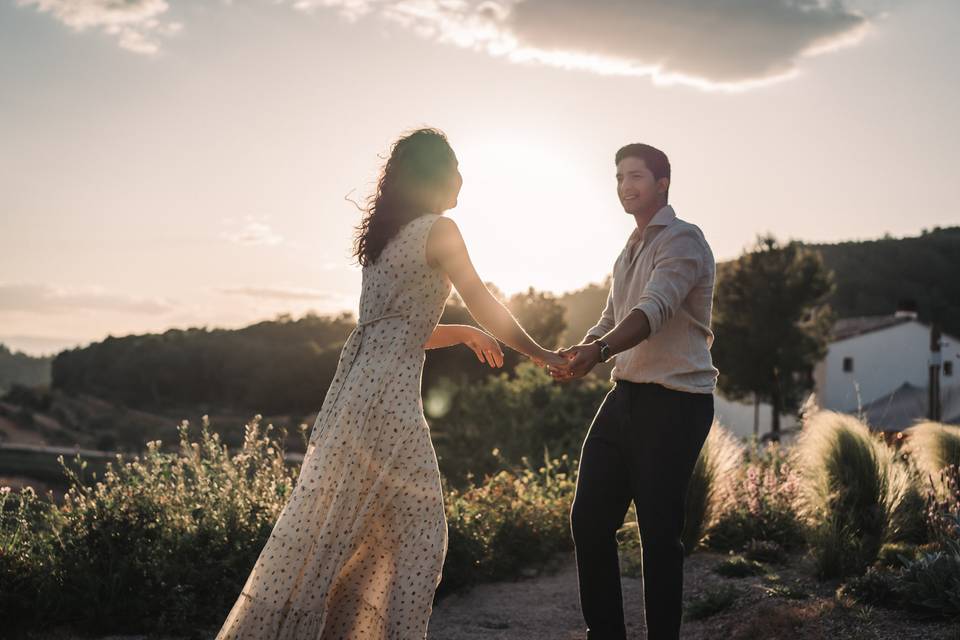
(636, 186)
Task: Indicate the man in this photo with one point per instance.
(646, 436)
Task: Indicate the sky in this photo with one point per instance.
(170, 164)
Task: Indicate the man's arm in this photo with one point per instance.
(673, 276)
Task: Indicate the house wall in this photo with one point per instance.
(882, 361)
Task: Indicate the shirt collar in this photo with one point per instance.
(662, 218)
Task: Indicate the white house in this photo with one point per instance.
(879, 365)
(875, 365)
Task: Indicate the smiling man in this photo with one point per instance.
(647, 434)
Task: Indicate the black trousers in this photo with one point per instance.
(642, 446)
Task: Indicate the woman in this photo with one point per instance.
(357, 552)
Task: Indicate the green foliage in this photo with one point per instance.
(771, 323)
(943, 505)
(928, 585)
(875, 587)
(709, 486)
(790, 592)
(857, 494)
(739, 567)
(933, 446)
(760, 506)
(765, 551)
(712, 602)
(515, 417)
(873, 276)
(515, 520)
(278, 366)
(18, 368)
(164, 543)
(160, 543)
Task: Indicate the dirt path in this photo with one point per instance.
(784, 603)
(543, 608)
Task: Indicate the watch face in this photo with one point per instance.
(604, 353)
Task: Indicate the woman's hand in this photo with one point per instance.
(549, 359)
(485, 346)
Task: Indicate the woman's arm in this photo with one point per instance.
(446, 249)
(483, 345)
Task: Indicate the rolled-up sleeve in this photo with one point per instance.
(676, 269)
(607, 319)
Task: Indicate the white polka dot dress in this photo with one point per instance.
(357, 551)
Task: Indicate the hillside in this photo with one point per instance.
(872, 277)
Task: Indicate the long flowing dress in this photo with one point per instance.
(357, 552)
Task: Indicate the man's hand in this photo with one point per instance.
(581, 359)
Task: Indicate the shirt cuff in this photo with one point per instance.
(652, 311)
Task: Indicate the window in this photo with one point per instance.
(948, 368)
(848, 364)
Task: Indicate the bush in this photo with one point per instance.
(739, 567)
(515, 520)
(765, 551)
(877, 587)
(856, 494)
(760, 505)
(712, 602)
(709, 484)
(943, 505)
(165, 543)
(933, 446)
(928, 585)
(27, 543)
(519, 416)
(159, 544)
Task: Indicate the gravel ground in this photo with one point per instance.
(785, 602)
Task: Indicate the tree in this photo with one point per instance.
(541, 314)
(771, 323)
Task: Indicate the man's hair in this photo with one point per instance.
(656, 160)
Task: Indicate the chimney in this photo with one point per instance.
(906, 308)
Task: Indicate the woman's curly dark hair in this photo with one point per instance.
(420, 162)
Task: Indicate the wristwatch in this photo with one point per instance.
(604, 350)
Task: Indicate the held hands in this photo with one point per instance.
(578, 361)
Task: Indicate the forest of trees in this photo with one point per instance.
(283, 366)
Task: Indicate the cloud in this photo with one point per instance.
(280, 293)
(252, 232)
(136, 24)
(42, 298)
(733, 44)
(705, 43)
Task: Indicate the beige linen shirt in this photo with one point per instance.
(668, 272)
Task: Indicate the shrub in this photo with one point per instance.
(165, 543)
(739, 567)
(760, 505)
(933, 446)
(943, 505)
(765, 551)
(519, 416)
(878, 587)
(712, 602)
(515, 520)
(856, 494)
(719, 458)
(928, 585)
